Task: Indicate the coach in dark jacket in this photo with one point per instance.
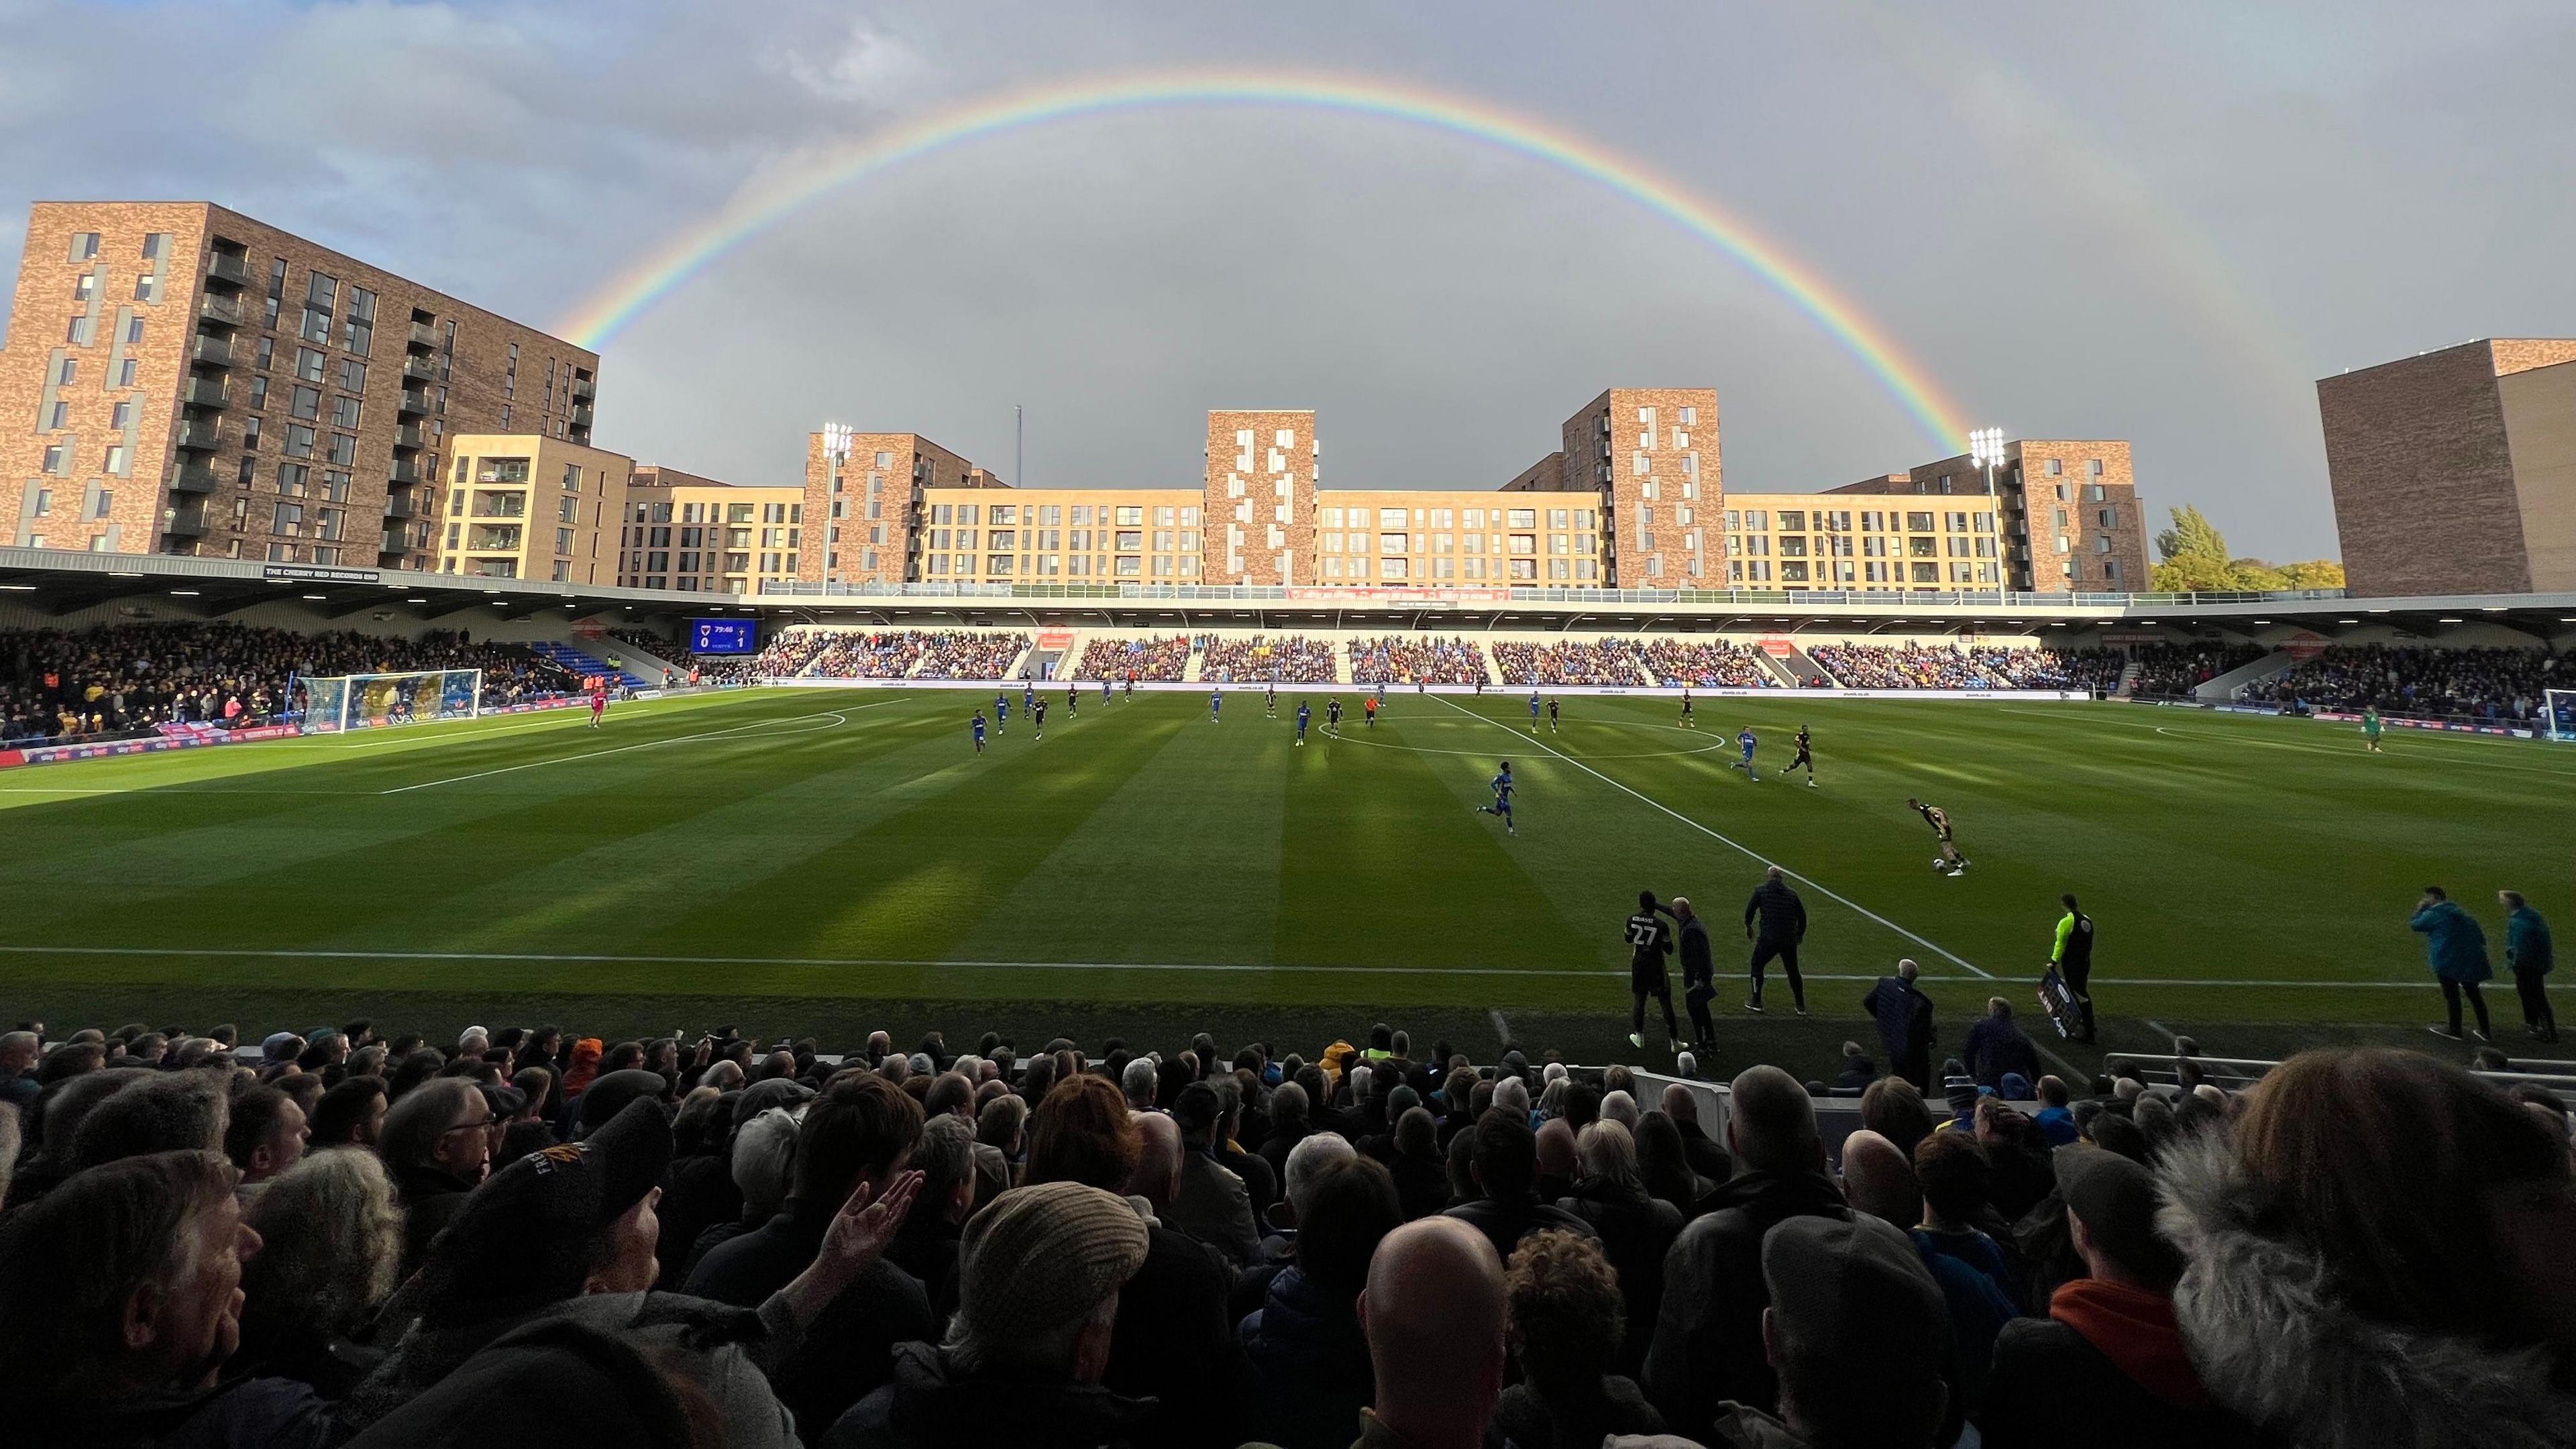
(1996, 1048)
(1699, 971)
(1904, 1016)
(1782, 919)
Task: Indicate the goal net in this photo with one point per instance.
(367, 701)
(2558, 714)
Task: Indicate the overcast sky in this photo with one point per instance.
(2155, 222)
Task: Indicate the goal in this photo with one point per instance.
(2558, 715)
(338, 702)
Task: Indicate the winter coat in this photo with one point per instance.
(1636, 1233)
(931, 1403)
(2526, 943)
(2455, 946)
(1708, 1337)
(2107, 1369)
(1783, 915)
(1313, 1363)
(2276, 1343)
(1527, 1419)
(1504, 1224)
(1996, 1046)
(1904, 1016)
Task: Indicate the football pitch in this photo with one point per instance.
(814, 860)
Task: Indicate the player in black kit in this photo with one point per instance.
(1650, 940)
(1803, 758)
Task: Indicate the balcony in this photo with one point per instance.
(424, 337)
(493, 538)
(211, 352)
(226, 267)
(405, 474)
(583, 389)
(581, 416)
(194, 478)
(499, 508)
(222, 311)
(203, 392)
(399, 505)
(408, 435)
(393, 543)
(198, 435)
(415, 402)
(422, 369)
(185, 523)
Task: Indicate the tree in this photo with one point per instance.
(2195, 561)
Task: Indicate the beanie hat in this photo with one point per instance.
(2115, 1199)
(1040, 1257)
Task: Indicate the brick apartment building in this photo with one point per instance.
(179, 378)
(2067, 513)
(2454, 471)
(699, 535)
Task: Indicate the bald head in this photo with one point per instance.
(1771, 1122)
(1771, 874)
(1433, 1315)
(1680, 1104)
(1556, 1148)
(1157, 1178)
(1879, 1181)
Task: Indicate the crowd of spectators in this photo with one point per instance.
(1287, 658)
(1901, 666)
(128, 678)
(1707, 664)
(967, 654)
(1416, 659)
(1569, 661)
(2173, 671)
(2094, 669)
(331, 1237)
(1153, 661)
(2497, 685)
(853, 654)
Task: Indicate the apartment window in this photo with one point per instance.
(84, 245)
(2101, 543)
(286, 518)
(299, 441)
(60, 416)
(57, 459)
(2099, 493)
(267, 353)
(2056, 466)
(1690, 417)
(358, 333)
(127, 370)
(2093, 466)
(344, 412)
(44, 504)
(250, 435)
(563, 540)
(2103, 517)
(115, 462)
(344, 449)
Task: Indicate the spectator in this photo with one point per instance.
(1041, 1272)
(1421, 1177)
(1879, 1181)
(1635, 1229)
(18, 1083)
(2527, 954)
(2055, 1118)
(1857, 1338)
(437, 1143)
(1708, 1157)
(1664, 1165)
(1305, 1341)
(351, 1114)
(1708, 1339)
(861, 1131)
(2338, 1292)
(1904, 1017)
(927, 1246)
(1505, 1165)
(1996, 1047)
(331, 1242)
(1434, 1315)
(182, 1112)
(265, 1136)
(1975, 1277)
(763, 1163)
(1568, 1332)
(2456, 948)
(1211, 1205)
(119, 1305)
(1857, 1073)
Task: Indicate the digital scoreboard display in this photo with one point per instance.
(722, 636)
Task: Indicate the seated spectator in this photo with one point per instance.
(1708, 1156)
(1977, 1280)
(1858, 1339)
(18, 1082)
(1211, 1205)
(860, 1132)
(1895, 1110)
(119, 1305)
(1041, 1272)
(351, 1114)
(1505, 1165)
(1304, 1341)
(1858, 1071)
(1434, 1315)
(2338, 1292)
(1663, 1164)
(1708, 1338)
(764, 1165)
(331, 1241)
(181, 1112)
(265, 1135)
(437, 1143)
(927, 1246)
(1878, 1181)
(2108, 1365)
(1421, 1177)
(1635, 1230)
(1568, 1332)
(2055, 1118)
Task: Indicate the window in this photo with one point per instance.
(344, 412)
(56, 458)
(2103, 518)
(2093, 466)
(359, 332)
(344, 449)
(84, 245)
(127, 370)
(2056, 466)
(59, 416)
(286, 518)
(115, 462)
(299, 441)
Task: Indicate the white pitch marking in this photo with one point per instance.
(751, 729)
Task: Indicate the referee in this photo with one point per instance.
(2073, 958)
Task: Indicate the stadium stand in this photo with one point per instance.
(1288, 658)
(890, 655)
(1570, 661)
(1164, 660)
(2483, 684)
(650, 642)
(2168, 671)
(2093, 669)
(787, 653)
(1901, 666)
(1416, 659)
(127, 678)
(1708, 663)
(984, 1242)
(965, 654)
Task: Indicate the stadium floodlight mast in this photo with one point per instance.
(1986, 450)
(837, 439)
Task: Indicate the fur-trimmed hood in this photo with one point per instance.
(2274, 1342)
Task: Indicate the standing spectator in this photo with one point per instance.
(1568, 1331)
(2055, 1118)
(1041, 1271)
(1504, 1163)
(2336, 1291)
(119, 1305)
(1996, 1047)
(1699, 972)
(2107, 1367)
(1904, 1017)
(2456, 948)
(1879, 1181)
(265, 1136)
(331, 1241)
(2527, 956)
(1636, 1230)
(1856, 1334)
(437, 1142)
(1775, 921)
(1708, 1339)
(1434, 1314)
(1305, 1341)
(1211, 1204)
(2073, 957)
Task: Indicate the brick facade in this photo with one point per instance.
(864, 511)
(1260, 497)
(210, 364)
(1653, 454)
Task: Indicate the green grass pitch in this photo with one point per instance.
(838, 854)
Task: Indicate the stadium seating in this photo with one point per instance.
(1287, 658)
(1569, 661)
(2484, 684)
(888, 655)
(1904, 666)
(2167, 671)
(1708, 663)
(1161, 660)
(1416, 659)
(586, 663)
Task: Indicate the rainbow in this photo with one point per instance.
(688, 253)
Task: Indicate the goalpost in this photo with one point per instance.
(337, 702)
(2558, 715)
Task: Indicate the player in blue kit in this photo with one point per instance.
(1746, 764)
(1502, 788)
(1533, 711)
(1216, 701)
(1104, 689)
(1381, 693)
(1001, 714)
(1029, 697)
(1303, 714)
(979, 732)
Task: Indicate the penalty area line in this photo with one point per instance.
(1810, 881)
(752, 729)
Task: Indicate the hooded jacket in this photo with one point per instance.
(1708, 1336)
(2274, 1342)
(2455, 945)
